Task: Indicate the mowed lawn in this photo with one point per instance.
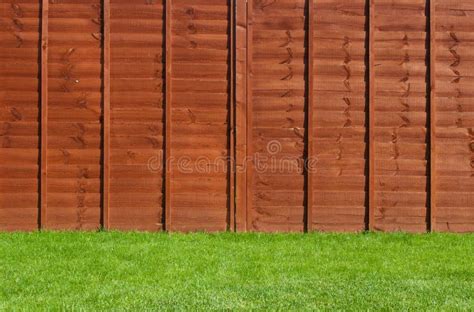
(143, 271)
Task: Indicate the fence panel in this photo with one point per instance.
(340, 116)
(401, 116)
(454, 108)
(199, 115)
(137, 74)
(19, 111)
(74, 116)
(276, 115)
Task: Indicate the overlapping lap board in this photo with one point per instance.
(74, 102)
(258, 115)
(276, 115)
(137, 125)
(200, 102)
(19, 114)
(401, 115)
(454, 107)
(339, 115)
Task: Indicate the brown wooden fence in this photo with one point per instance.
(257, 115)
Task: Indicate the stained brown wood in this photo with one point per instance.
(249, 165)
(20, 115)
(340, 122)
(168, 99)
(309, 126)
(453, 137)
(106, 117)
(401, 77)
(372, 92)
(44, 112)
(79, 208)
(137, 115)
(201, 209)
(232, 133)
(99, 100)
(241, 116)
(433, 121)
(277, 37)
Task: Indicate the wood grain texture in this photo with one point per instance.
(74, 119)
(232, 100)
(20, 111)
(106, 117)
(188, 115)
(432, 109)
(401, 115)
(310, 116)
(249, 166)
(43, 215)
(201, 131)
(276, 136)
(168, 112)
(137, 125)
(453, 125)
(372, 93)
(241, 116)
(339, 119)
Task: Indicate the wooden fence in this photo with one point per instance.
(257, 115)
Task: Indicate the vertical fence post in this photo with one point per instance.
(231, 78)
(309, 124)
(44, 114)
(167, 153)
(371, 116)
(240, 115)
(432, 108)
(106, 114)
(249, 72)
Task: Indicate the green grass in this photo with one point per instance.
(139, 271)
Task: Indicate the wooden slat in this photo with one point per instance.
(309, 125)
(167, 153)
(106, 112)
(232, 28)
(371, 210)
(44, 112)
(249, 110)
(240, 116)
(432, 108)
